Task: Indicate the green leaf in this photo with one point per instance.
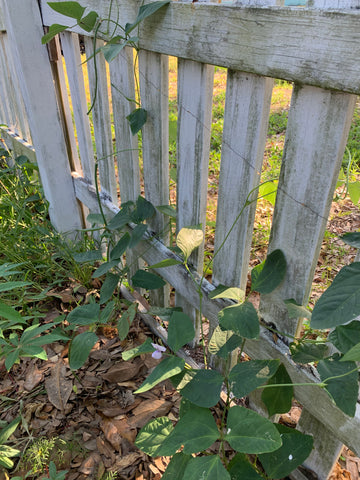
(33, 351)
(89, 256)
(240, 469)
(69, 9)
(137, 234)
(241, 319)
(54, 29)
(6, 432)
(180, 330)
(268, 191)
(106, 313)
(352, 238)
(196, 431)
(202, 387)
(169, 367)
(353, 354)
(247, 376)
(168, 262)
(80, 348)
(11, 358)
(222, 343)
(119, 220)
(167, 210)
(345, 337)
(84, 314)
(146, 347)
(108, 287)
(343, 390)
(95, 218)
(188, 239)
(269, 274)
(143, 210)
(147, 280)
(104, 268)
(125, 321)
(340, 303)
(228, 292)
(249, 432)
(278, 399)
(144, 12)
(137, 119)
(354, 192)
(206, 468)
(119, 249)
(295, 310)
(308, 352)
(152, 439)
(8, 286)
(164, 312)
(88, 22)
(294, 451)
(176, 468)
(10, 313)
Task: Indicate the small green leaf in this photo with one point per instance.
(152, 439)
(180, 331)
(119, 220)
(106, 313)
(269, 274)
(222, 343)
(345, 337)
(69, 9)
(80, 348)
(104, 268)
(249, 432)
(137, 234)
(147, 280)
(206, 468)
(167, 210)
(354, 192)
(168, 262)
(143, 210)
(294, 451)
(108, 287)
(340, 303)
(95, 218)
(241, 319)
(202, 387)
(176, 468)
(247, 376)
(233, 293)
(84, 314)
(295, 310)
(146, 347)
(137, 120)
(6, 432)
(125, 321)
(144, 12)
(88, 22)
(278, 399)
(308, 352)
(344, 389)
(352, 238)
(10, 313)
(169, 367)
(240, 469)
(54, 29)
(11, 358)
(120, 248)
(188, 239)
(8, 286)
(89, 256)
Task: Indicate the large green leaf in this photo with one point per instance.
(203, 388)
(206, 468)
(112, 49)
(246, 376)
(69, 9)
(240, 469)
(196, 431)
(341, 301)
(84, 314)
(278, 399)
(222, 343)
(143, 210)
(345, 337)
(249, 432)
(80, 348)
(233, 293)
(269, 274)
(308, 352)
(119, 220)
(152, 439)
(353, 354)
(10, 313)
(144, 12)
(295, 310)
(241, 319)
(147, 280)
(180, 330)
(176, 468)
(54, 29)
(169, 367)
(344, 389)
(104, 268)
(137, 234)
(295, 449)
(188, 239)
(108, 287)
(119, 249)
(354, 191)
(88, 22)
(137, 120)
(352, 238)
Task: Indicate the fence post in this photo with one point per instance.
(24, 28)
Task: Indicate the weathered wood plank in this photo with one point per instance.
(18, 145)
(40, 102)
(316, 400)
(308, 46)
(101, 117)
(71, 50)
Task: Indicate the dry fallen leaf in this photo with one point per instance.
(58, 386)
(33, 378)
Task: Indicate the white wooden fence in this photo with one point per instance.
(317, 47)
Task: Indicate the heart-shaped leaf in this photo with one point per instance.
(246, 376)
(269, 274)
(241, 319)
